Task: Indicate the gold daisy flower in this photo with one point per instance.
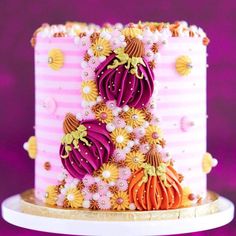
(104, 114)
(153, 134)
(55, 59)
(74, 198)
(51, 195)
(120, 137)
(187, 197)
(109, 172)
(134, 160)
(134, 117)
(101, 47)
(89, 90)
(120, 201)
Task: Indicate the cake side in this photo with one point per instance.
(177, 105)
(181, 108)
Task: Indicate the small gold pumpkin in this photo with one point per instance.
(183, 65)
(31, 147)
(208, 162)
(55, 59)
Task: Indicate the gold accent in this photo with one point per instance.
(131, 62)
(30, 205)
(131, 32)
(183, 65)
(32, 147)
(89, 90)
(120, 137)
(134, 160)
(207, 163)
(55, 59)
(134, 117)
(74, 137)
(101, 47)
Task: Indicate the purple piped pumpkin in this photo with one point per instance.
(85, 146)
(125, 76)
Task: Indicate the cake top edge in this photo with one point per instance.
(140, 29)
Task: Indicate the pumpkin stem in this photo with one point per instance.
(153, 157)
(70, 123)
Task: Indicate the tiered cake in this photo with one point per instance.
(120, 118)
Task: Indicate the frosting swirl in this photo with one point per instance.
(121, 85)
(156, 185)
(87, 155)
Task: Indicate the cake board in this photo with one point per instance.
(218, 212)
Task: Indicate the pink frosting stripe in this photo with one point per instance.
(170, 118)
(41, 154)
(188, 143)
(57, 90)
(48, 128)
(171, 52)
(69, 105)
(48, 180)
(62, 78)
(68, 65)
(64, 40)
(164, 105)
(50, 117)
(168, 92)
(47, 141)
(169, 79)
(65, 51)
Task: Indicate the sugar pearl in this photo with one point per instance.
(110, 127)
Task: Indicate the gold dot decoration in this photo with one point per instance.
(31, 147)
(47, 165)
(208, 162)
(183, 65)
(55, 59)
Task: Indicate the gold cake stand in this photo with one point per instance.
(25, 211)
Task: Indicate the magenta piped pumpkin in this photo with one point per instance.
(85, 146)
(125, 76)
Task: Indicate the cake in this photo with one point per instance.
(120, 116)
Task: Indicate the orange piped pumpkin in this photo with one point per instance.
(156, 186)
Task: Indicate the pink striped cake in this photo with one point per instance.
(120, 120)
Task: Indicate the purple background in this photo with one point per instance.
(19, 19)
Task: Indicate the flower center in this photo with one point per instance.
(100, 48)
(155, 135)
(135, 159)
(103, 115)
(119, 200)
(106, 174)
(135, 117)
(119, 139)
(86, 89)
(50, 60)
(70, 197)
